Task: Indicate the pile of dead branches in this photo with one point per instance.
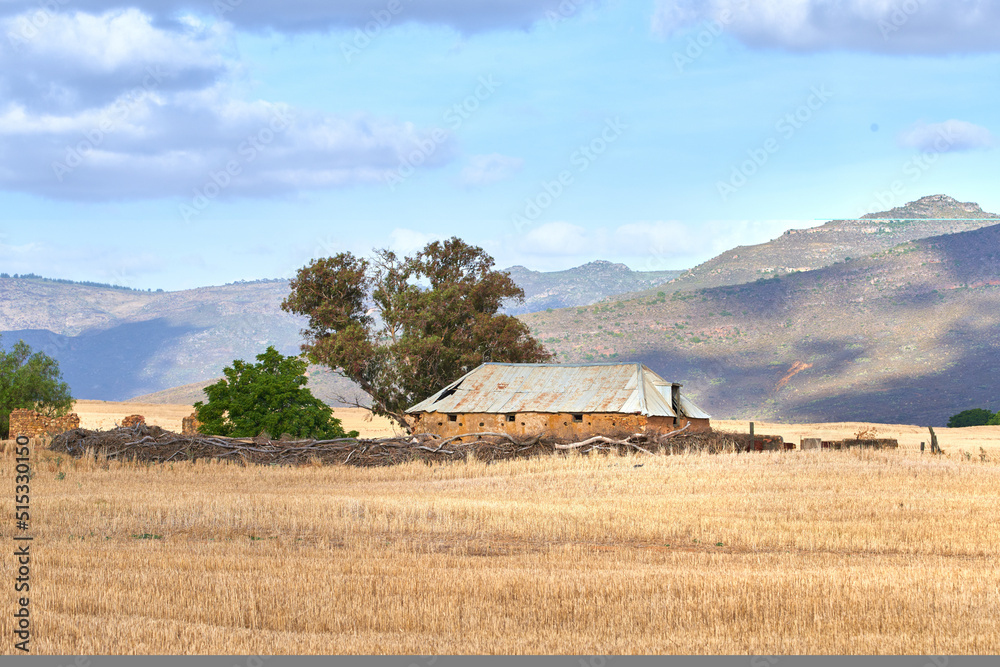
(153, 444)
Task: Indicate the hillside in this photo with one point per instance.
(581, 286)
(325, 385)
(909, 334)
(835, 241)
(115, 344)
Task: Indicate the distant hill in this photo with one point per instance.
(581, 286)
(114, 344)
(325, 385)
(910, 334)
(835, 241)
(907, 330)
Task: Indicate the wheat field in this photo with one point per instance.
(763, 553)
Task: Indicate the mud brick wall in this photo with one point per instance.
(133, 420)
(554, 425)
(32, 424)
(190, 424)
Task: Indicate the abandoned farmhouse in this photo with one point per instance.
(560, 400)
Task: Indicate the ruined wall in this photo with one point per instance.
(190, 424)
(32, 424)
(669, 424)
(554, 425)
(133, 420)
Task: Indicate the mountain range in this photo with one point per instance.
(889, 318)
(907, 334)
(115, 344)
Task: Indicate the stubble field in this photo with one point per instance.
(766, 553)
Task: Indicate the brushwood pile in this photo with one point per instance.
(144, 443)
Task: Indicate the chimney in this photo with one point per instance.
(675, 399)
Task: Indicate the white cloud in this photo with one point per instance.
(116, 107)
(487, 169)
(884, 26)
(951, 135)
(81, 60)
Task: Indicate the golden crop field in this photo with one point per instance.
(108, 414)
(763, 553)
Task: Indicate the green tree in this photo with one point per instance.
(974, 417)
(30, 380)
(270, 397)
(994, 420)
(403, 327)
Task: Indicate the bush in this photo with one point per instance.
(974, 417)
(268, 397)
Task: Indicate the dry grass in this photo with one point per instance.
(802, 552)
(108, 414)
(952, 440)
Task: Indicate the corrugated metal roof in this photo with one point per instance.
(580, 388)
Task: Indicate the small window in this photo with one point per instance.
(481, 424)
(453, 418)
(578, 418)
(512, 418)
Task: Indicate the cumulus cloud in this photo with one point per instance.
(951, 135)
(82, 60)
(487, 169)
(884, 26)
(116, 107)
(311, 15)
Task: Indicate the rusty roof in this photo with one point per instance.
(581, 388)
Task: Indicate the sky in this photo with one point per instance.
(178, 143)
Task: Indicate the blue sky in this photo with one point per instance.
(174, 144)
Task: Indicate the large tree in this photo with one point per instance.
(270, 396)
(403, 327)
(30, 380)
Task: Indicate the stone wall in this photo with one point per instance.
(564, 426)
(190, 424)
(32, 424)
(133, 420)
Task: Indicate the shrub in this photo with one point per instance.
(270, 397)
(974, 417)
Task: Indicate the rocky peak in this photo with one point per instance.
(934, 206)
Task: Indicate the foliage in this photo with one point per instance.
(270, 397)
(30, 380)
(974, 417)
(403, 327)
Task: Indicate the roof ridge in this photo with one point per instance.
(640, 378)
